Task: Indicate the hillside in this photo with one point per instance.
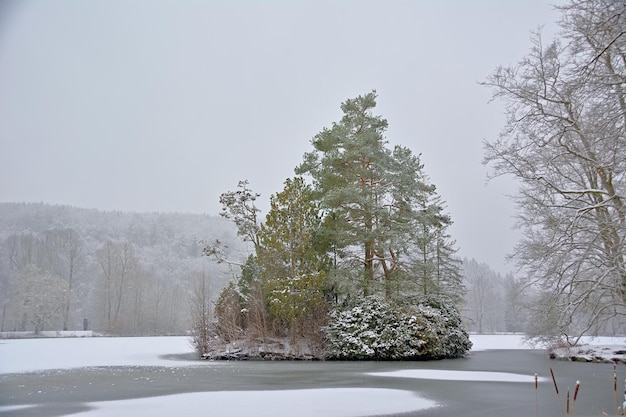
(125, 273)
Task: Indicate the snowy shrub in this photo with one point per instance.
(375, 329)
(450, 340)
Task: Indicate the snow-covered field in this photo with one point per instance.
(28, 355)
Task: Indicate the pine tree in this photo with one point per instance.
(380, 209)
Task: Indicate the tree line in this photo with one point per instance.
(125, 273)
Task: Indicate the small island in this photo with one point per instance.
(353, 261)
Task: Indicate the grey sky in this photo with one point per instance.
(162, 105)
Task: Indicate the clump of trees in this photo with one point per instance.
(494, 302)
(368, 226)
(565, 142)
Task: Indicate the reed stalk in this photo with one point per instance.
(624, 404)
(575, 395)
(615, 388)
(558, 396)
(537, 395)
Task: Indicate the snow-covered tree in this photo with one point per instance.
(240, 207)
(382, 215)
(40, 299)
(565, 142)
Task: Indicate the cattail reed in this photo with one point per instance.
(615, 387)
(624, 405)
(537, 395)
(556, 388)
(575, 395)
(576, 390)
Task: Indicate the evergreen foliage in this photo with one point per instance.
(230, 314)
(374, 329)
(292, 270)
(382, 216)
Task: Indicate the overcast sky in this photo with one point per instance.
(161, 105)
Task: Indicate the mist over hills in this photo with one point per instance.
(126, 273)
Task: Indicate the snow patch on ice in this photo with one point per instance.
(6, 408)
(444, 375)
(337, 402)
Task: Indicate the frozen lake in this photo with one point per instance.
(158, 377)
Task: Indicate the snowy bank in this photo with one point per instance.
(591, 353)
(46, 333)
(603, 349)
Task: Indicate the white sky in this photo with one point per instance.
(161, 105)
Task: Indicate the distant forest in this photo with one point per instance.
(134, 273)
(63, 267)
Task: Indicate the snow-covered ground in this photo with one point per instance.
(29, 355)
(46, 333)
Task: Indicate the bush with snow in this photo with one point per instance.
(427, 328)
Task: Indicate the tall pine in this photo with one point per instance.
(381, 212)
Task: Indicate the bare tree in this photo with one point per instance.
(565, 141)
(25, 250)
(65, 252)
(483, 300)
(41, 297)
(201, 314)
(118, 266)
